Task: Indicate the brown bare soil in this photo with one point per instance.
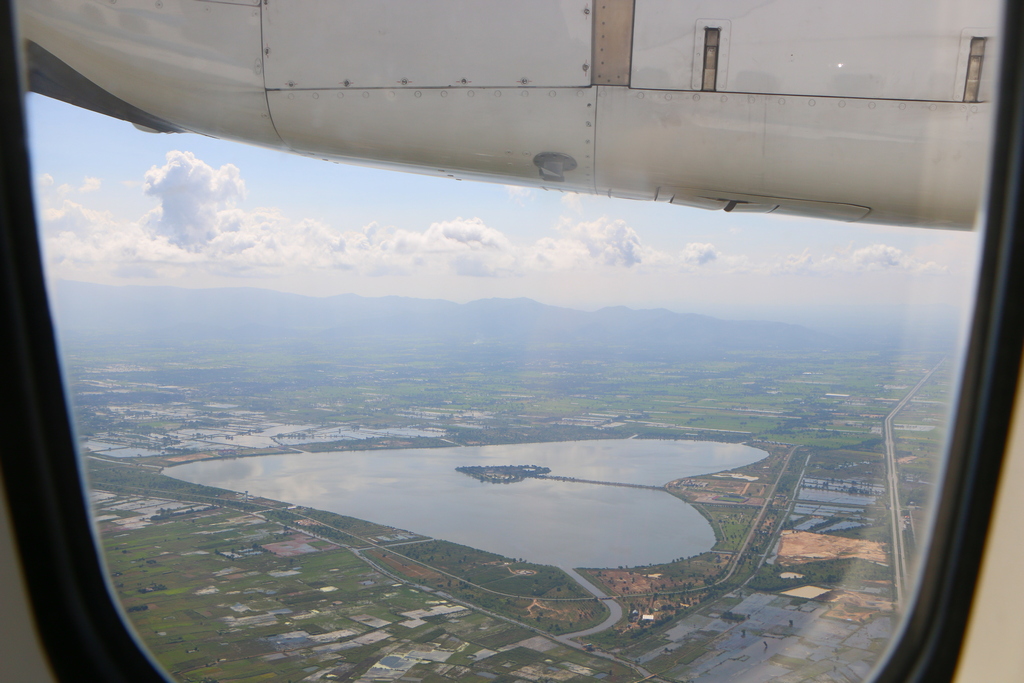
(625, 582)
(851, 606)
(733, 486)
(713, 498)
(560, 611)
(410, 569)
(189, 457)
(538, 606)
(299, 545)
(804, 546)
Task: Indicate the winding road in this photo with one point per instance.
(614, 608)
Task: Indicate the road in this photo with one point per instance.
(614, 608)
(574, 480)
(566, 639)
(899, 553)
(738, 555)
(778, 529)
(769, 497)
(615, 614)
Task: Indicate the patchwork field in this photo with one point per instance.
(219, 595)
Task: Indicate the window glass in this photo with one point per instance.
(346, 423)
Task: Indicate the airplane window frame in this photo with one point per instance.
(83, 629)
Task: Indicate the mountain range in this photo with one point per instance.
(251, 314)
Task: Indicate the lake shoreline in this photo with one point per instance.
(548, 520)
(376, 445)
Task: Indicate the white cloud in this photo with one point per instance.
(883, 257)
(589, 244)
(572, 201)
(872, 258)
(200, 226)
(802, 263)
(196, 200)
(90, 185)
(462, 246)
(611, 242)
(518, 194)
(698, 254)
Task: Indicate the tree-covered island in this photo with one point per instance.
(503, 474)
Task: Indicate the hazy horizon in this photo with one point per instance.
(81, 306)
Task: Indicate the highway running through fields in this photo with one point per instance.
(899, 553)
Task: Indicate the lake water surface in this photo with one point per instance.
(560, 523)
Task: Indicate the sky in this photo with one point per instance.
(120, 206)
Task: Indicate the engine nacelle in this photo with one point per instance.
(873, 111)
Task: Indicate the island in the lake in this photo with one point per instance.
(503, 474)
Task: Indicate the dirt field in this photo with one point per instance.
(804, 546)
(851, 606)
(714, 498)
(562, 611)
(299, 545)
(189, 457)
(410, 569)
(624, 582)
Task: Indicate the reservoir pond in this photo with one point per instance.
(567, 524)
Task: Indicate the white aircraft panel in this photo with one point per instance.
(195, 64)
(459, 132)
(907, 50)
(745, 203)
(234, 2)
(442, 43)
(911, 163)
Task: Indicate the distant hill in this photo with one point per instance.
(250, 314)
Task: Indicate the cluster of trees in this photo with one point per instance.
(153, 588)
(503, 474)
(376, 443)
(352, 525)
(254, 548)
(166, 513)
